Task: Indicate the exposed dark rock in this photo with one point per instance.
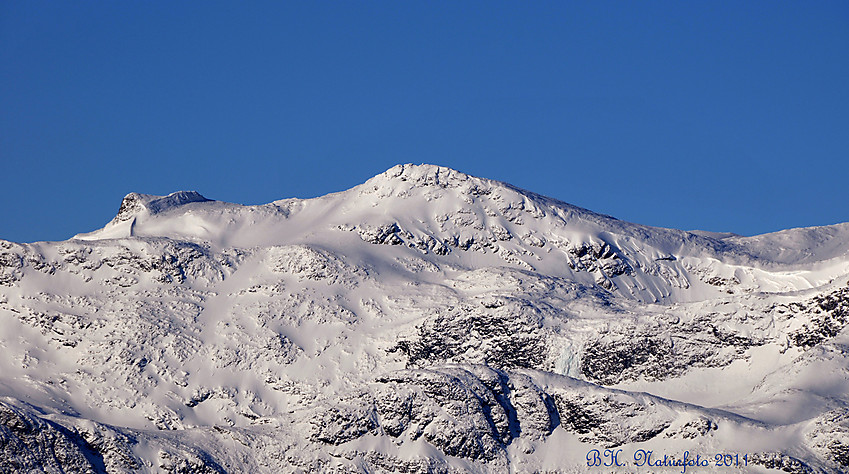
(593, 256)
(31, 444)
(134, 203)
(188, 462)
(131, 204)
(663, 349)
(627, 359)
(507, 335)
(719, 281)
(699, 427)
(452, 409)
(610, 419)
(828, 435)
(829, 314)
(346, 421)
(781, 462)
(472, 412)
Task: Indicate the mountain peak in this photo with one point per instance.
(409, 176)
(400, 180)
(134, 203)
(425, 174)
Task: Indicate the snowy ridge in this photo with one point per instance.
(440, 211)
(423, 321)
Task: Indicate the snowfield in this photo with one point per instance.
(423, 321)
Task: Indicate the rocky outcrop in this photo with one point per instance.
(134, 203)
(474, 412)
(828, 314)
(31, 444)
(501, 332)
(828, 436)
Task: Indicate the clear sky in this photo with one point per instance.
(724, 116)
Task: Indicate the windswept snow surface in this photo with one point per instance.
(424, 321)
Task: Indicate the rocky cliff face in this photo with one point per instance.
(424, 321)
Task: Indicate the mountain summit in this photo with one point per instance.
(135, 203)
(423, 321)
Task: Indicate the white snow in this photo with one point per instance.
(184, 314)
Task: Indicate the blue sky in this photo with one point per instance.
(724, 116)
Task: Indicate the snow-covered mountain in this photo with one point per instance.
(424, 321)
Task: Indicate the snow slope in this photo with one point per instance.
(424, 321)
